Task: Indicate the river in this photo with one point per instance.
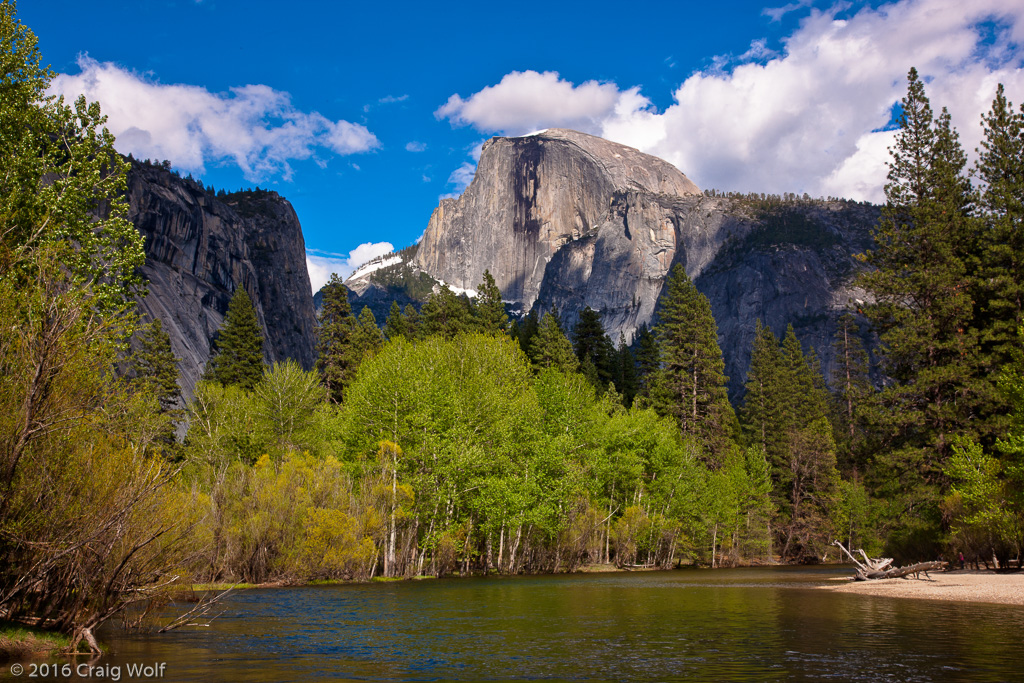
(755, 624)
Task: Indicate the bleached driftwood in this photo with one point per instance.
(878, 568)
(898, 572)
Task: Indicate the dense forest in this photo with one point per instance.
(452, 440)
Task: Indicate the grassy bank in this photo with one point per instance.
(18, 641)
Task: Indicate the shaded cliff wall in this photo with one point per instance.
(200, 248)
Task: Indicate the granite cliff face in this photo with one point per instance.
(567, 220)
(530, 197)
(200, 248)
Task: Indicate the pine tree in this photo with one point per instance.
(528, 330)
(155, 364)
(238, 358)
(490, 309)
(593, 348)
(551, 348)
(691, 383)
(761, 405)
(851, 379)
(804, 397)
(625, 372)
(445, 314)
(1000, 167)
(413, 322)
(396, 325)
(923, 311)
(648, 359)
(337, 356)
(367, 337)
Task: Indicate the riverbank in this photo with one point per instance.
(955, 586)
(18, 641)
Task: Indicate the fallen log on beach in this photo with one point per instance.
(898, 572)
(872, 569)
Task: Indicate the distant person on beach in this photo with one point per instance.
(961, 559)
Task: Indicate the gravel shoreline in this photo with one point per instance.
(955, 586)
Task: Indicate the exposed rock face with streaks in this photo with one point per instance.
(532, 196)
(566, 220)
(200, 248)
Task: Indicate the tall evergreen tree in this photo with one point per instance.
(762, 409)
(551, 348)
(804, 397)
(490, 309)
(238, 358)
(445, 314)
(337, 356)
(367, 338)
(413, 322)
(850, 379)
(923, 310)
(593, 348)
(625, 372)
(691, 383)
(155, 364)
(527, 330)
(648, 359)
(396, 325)
(1000, 167)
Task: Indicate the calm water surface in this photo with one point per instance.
(727, 625)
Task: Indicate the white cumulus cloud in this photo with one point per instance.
(809, 117)
(321, 264)
(527, 100)
(254, 126)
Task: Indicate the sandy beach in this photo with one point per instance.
(956, 586)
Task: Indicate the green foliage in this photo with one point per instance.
(690, 385)
(984, 521)
(593, 348)
(88, 522)
(853, 385)
(60, 172)
(762, 413)
(489, 310)
(77, 447)
(785, 417)
(337, 353)
(288, 398)
(924, 264)
(527, 330)
(367, 338)
(625, 372)
(648, 359)
(238, 358)
(155, 364)
(396, 325)
(550, 348)
(1000, 282)
(445, 314)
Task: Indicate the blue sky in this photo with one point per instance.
(363, 115)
